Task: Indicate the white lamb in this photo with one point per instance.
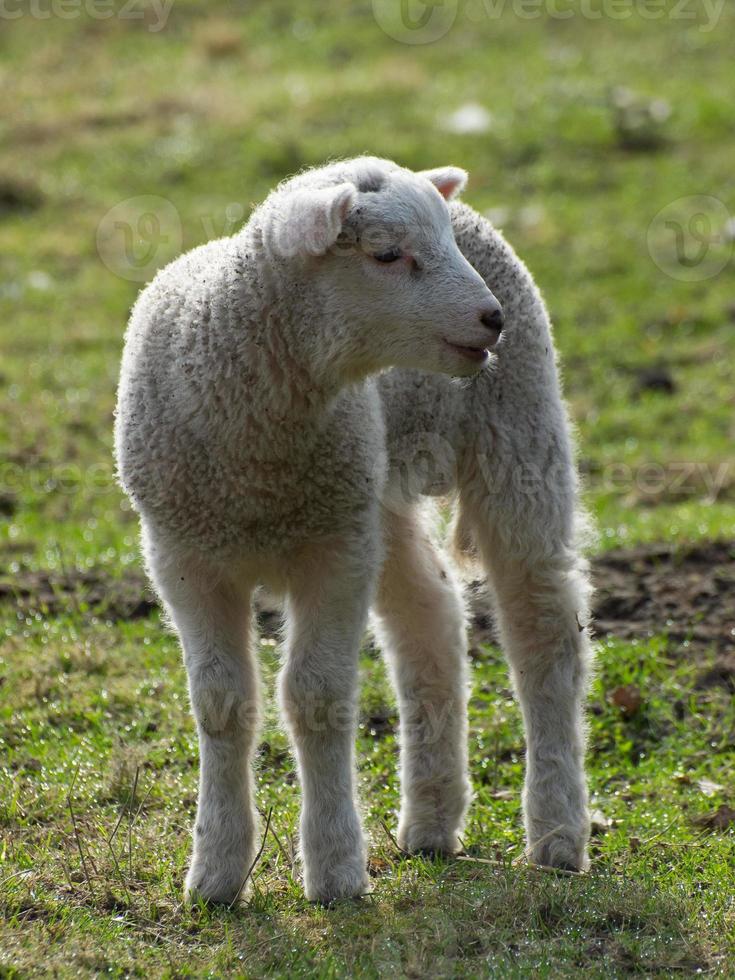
(262, 440)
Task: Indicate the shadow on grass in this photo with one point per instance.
(431, 918)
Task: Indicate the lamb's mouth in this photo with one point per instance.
(478, 354)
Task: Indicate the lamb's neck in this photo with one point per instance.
(289, 391)
(302, 365)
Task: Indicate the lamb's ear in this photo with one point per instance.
(315, 218)
(449, 181)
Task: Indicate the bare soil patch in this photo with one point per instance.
(686, 594)
(91, 592)
(18, 195)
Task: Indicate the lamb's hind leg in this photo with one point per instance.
(541, 591)
(212, 617)
(422, 626)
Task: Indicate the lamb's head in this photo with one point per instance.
(376, 242)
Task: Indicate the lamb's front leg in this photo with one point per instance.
(329, 597)
(212, 617)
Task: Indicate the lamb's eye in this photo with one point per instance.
(392, 255)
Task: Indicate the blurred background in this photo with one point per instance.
(600, 136)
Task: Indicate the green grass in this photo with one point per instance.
(87, 707)
(207, 114)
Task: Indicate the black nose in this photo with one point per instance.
(493, 319)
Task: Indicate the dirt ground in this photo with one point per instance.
(686, 593)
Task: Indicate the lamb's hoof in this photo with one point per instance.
(327, 886)
(560, 853)
(213, 886)
(431, 841)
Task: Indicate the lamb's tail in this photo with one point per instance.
(463, 543)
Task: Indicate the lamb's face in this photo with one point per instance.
(395, 271)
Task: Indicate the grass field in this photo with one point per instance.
(606, 154)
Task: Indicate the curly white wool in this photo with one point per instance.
(264, 439)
